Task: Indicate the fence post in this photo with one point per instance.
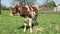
(0, 11)
(56, 9)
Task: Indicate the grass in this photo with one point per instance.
(47, 24)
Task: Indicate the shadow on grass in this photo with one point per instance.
(33, 24)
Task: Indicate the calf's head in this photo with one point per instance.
(15, 10)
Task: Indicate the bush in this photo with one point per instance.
(5, 8)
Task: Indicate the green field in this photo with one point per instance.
(47, 24)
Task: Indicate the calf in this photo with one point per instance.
(29, 13)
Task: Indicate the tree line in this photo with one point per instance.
(3, 7)
(49, 3)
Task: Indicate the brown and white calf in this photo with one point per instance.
(29, 13)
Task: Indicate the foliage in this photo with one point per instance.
(51, 4)
(23, 2)
(3, 7)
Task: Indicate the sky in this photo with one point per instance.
(8, 2)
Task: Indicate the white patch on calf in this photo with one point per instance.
(35, 6)
(25, 24)
(25, 27)
(18, 13)
(27, 7)
(32, 14)
(30, 24)
(26, 19)
(11, 14)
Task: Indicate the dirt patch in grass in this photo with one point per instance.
(38, 29)
(57, 28)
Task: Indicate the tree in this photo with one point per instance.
(3, 7)
(31, 2)
(23, 2)
(50, 4)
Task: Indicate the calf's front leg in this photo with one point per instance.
(30, 24)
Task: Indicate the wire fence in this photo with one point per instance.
(49, 10)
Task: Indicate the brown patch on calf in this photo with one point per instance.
(25, 12)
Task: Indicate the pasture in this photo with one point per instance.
(47, 24)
